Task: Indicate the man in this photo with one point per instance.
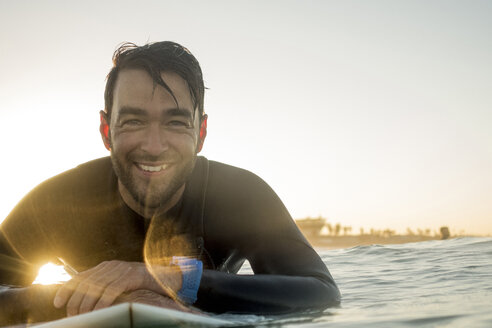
(156, 223)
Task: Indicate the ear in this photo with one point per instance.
(104, 130)
(203, 133)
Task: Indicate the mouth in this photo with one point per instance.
(148, 168)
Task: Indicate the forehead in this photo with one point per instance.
(136, 88)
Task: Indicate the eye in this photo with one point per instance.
(132, 122)
(178, 124)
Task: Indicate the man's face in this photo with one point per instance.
(153, 142)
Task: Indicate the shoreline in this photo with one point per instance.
(347, 241)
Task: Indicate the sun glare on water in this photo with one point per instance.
(50, 274)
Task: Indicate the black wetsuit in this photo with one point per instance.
(226, 215)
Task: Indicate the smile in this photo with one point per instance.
(152, 168)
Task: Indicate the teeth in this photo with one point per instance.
(152, 168)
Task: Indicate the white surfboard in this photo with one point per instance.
(135, 315)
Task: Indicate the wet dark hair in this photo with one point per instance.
(155, 58)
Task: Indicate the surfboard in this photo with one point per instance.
(135, 315)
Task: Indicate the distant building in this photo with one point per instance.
(311, 227)
(444, 233)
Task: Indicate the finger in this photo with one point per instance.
(65, 291)
(97, 287)
(112, 292)
(74, 302)
(90, 298)
(85, 281)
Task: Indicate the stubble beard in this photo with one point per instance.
(152, 195)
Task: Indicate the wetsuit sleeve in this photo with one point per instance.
(57, 219)
(14, 271)
(26, 233)
(278, 289)
(23, 248)
(245, 215)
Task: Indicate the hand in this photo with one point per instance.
(152, 298)
(99, 286)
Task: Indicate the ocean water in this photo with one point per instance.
(442, 283)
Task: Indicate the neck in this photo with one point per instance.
(146, 211)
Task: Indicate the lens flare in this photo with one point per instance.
(50, 274)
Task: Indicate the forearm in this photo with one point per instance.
(13, 269)
(152, 298)
(12, 306)
(264, 294)
(110, 279)
(28, 304)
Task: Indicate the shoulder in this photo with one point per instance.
(90, 176)
(59, 206)
(95, 165)
(240, 200)
(225, 178)
(75, 186)
(86, 172)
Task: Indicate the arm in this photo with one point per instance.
(28, 304)
(144, 296)
(289, 276)
(32, 303)
(244, 215)
(264, 294)
(102, 285)
(14, 270)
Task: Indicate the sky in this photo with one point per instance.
(373, 114)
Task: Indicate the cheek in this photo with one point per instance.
(124, 142)
(185, 144)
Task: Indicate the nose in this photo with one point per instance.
(155, 141)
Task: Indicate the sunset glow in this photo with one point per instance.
(371, 114)
(50, 274)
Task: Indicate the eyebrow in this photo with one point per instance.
(180, 112)
(128, 110)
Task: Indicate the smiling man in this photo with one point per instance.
(154, 222)
(154, 139)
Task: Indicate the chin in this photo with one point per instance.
(152, 200)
